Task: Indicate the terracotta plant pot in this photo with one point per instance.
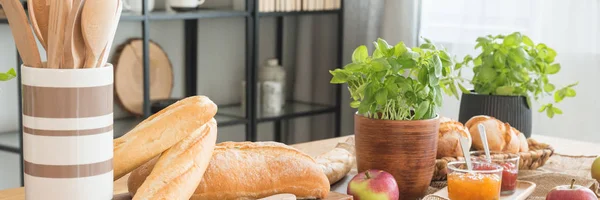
(406, 149)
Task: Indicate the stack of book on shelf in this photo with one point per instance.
(291, 5)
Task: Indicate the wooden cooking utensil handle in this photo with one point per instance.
(24, 39)
(59, 10)
(74, 47)
(104, 56)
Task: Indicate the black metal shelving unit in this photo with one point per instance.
(228, 115)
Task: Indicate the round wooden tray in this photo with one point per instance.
(128, 63)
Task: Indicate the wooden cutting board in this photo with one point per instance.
(128, 62)
(331, 196)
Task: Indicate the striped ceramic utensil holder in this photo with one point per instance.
(68, 133)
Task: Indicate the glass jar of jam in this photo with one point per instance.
(510, 164)
(483, 182)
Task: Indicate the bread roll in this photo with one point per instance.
(245, 170)
(159, 132)
(178, 171)
(339, 161)
(501, 136)
(449, 138)
(523, 147)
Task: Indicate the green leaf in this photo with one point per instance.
(513, 39)
(527, 41)
(570, 92)
(354, 67)
(360, 54)
(354, 104)
(505, 90)
(559, 95)
(437, 65)
(543, 108)
(557, 110)
(553, 69)
(383, 46)
(10, 74)
(517, 76)
(550, 112)
(423, 76)
(499, 59)
(378, 54)
(477, 61)
(381, 97)
(463, 89)
(399, 49)
(518, 55)
(549, 87)
(421, 110)
(379, 64)
(437, 94)
(433, 80)
(453, 89)
(339, 76)
(487, 74)
(551, 55)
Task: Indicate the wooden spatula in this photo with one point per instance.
(97, 22)
(104, 56)
(24, 39)
(74, 54)
(59, 11)
(39, 13)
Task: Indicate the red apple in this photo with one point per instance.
(571, 192)
(373, 184)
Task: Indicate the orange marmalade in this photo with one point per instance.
(474, 186)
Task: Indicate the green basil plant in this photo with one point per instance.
(397, 82)
(513, 65)
(8, 75)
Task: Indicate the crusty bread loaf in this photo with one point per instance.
(501, 136)
(524, 146)
(339, 161)
(159, 132)
(178, 171)
(245, 170)
(449, 138)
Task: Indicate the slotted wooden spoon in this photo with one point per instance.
(97, 22)
(39, 13)
(74, 53)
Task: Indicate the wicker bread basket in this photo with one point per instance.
(537, 156)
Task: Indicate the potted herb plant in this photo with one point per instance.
(397, 92)
(509, 72)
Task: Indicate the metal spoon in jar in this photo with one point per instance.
(484, 141)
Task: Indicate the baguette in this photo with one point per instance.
(245, 170)
(178, 171)
(339, 161)
(159, 132)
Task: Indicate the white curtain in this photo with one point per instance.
(572, 28)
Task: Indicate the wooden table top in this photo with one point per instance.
(315, 148)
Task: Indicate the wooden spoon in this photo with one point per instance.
(39, 12)
(74, 54)
(24, 39)
(104, 56)
(59, 11)
(97, 22)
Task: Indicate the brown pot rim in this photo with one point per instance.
(437, 117)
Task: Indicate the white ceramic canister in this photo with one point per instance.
(68, 133)
(271, 96)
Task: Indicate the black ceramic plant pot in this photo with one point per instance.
(511, 109)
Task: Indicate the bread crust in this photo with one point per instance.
(448, 139)
(246, 170)
(160, 132)
(178, 171)
(501, 136)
